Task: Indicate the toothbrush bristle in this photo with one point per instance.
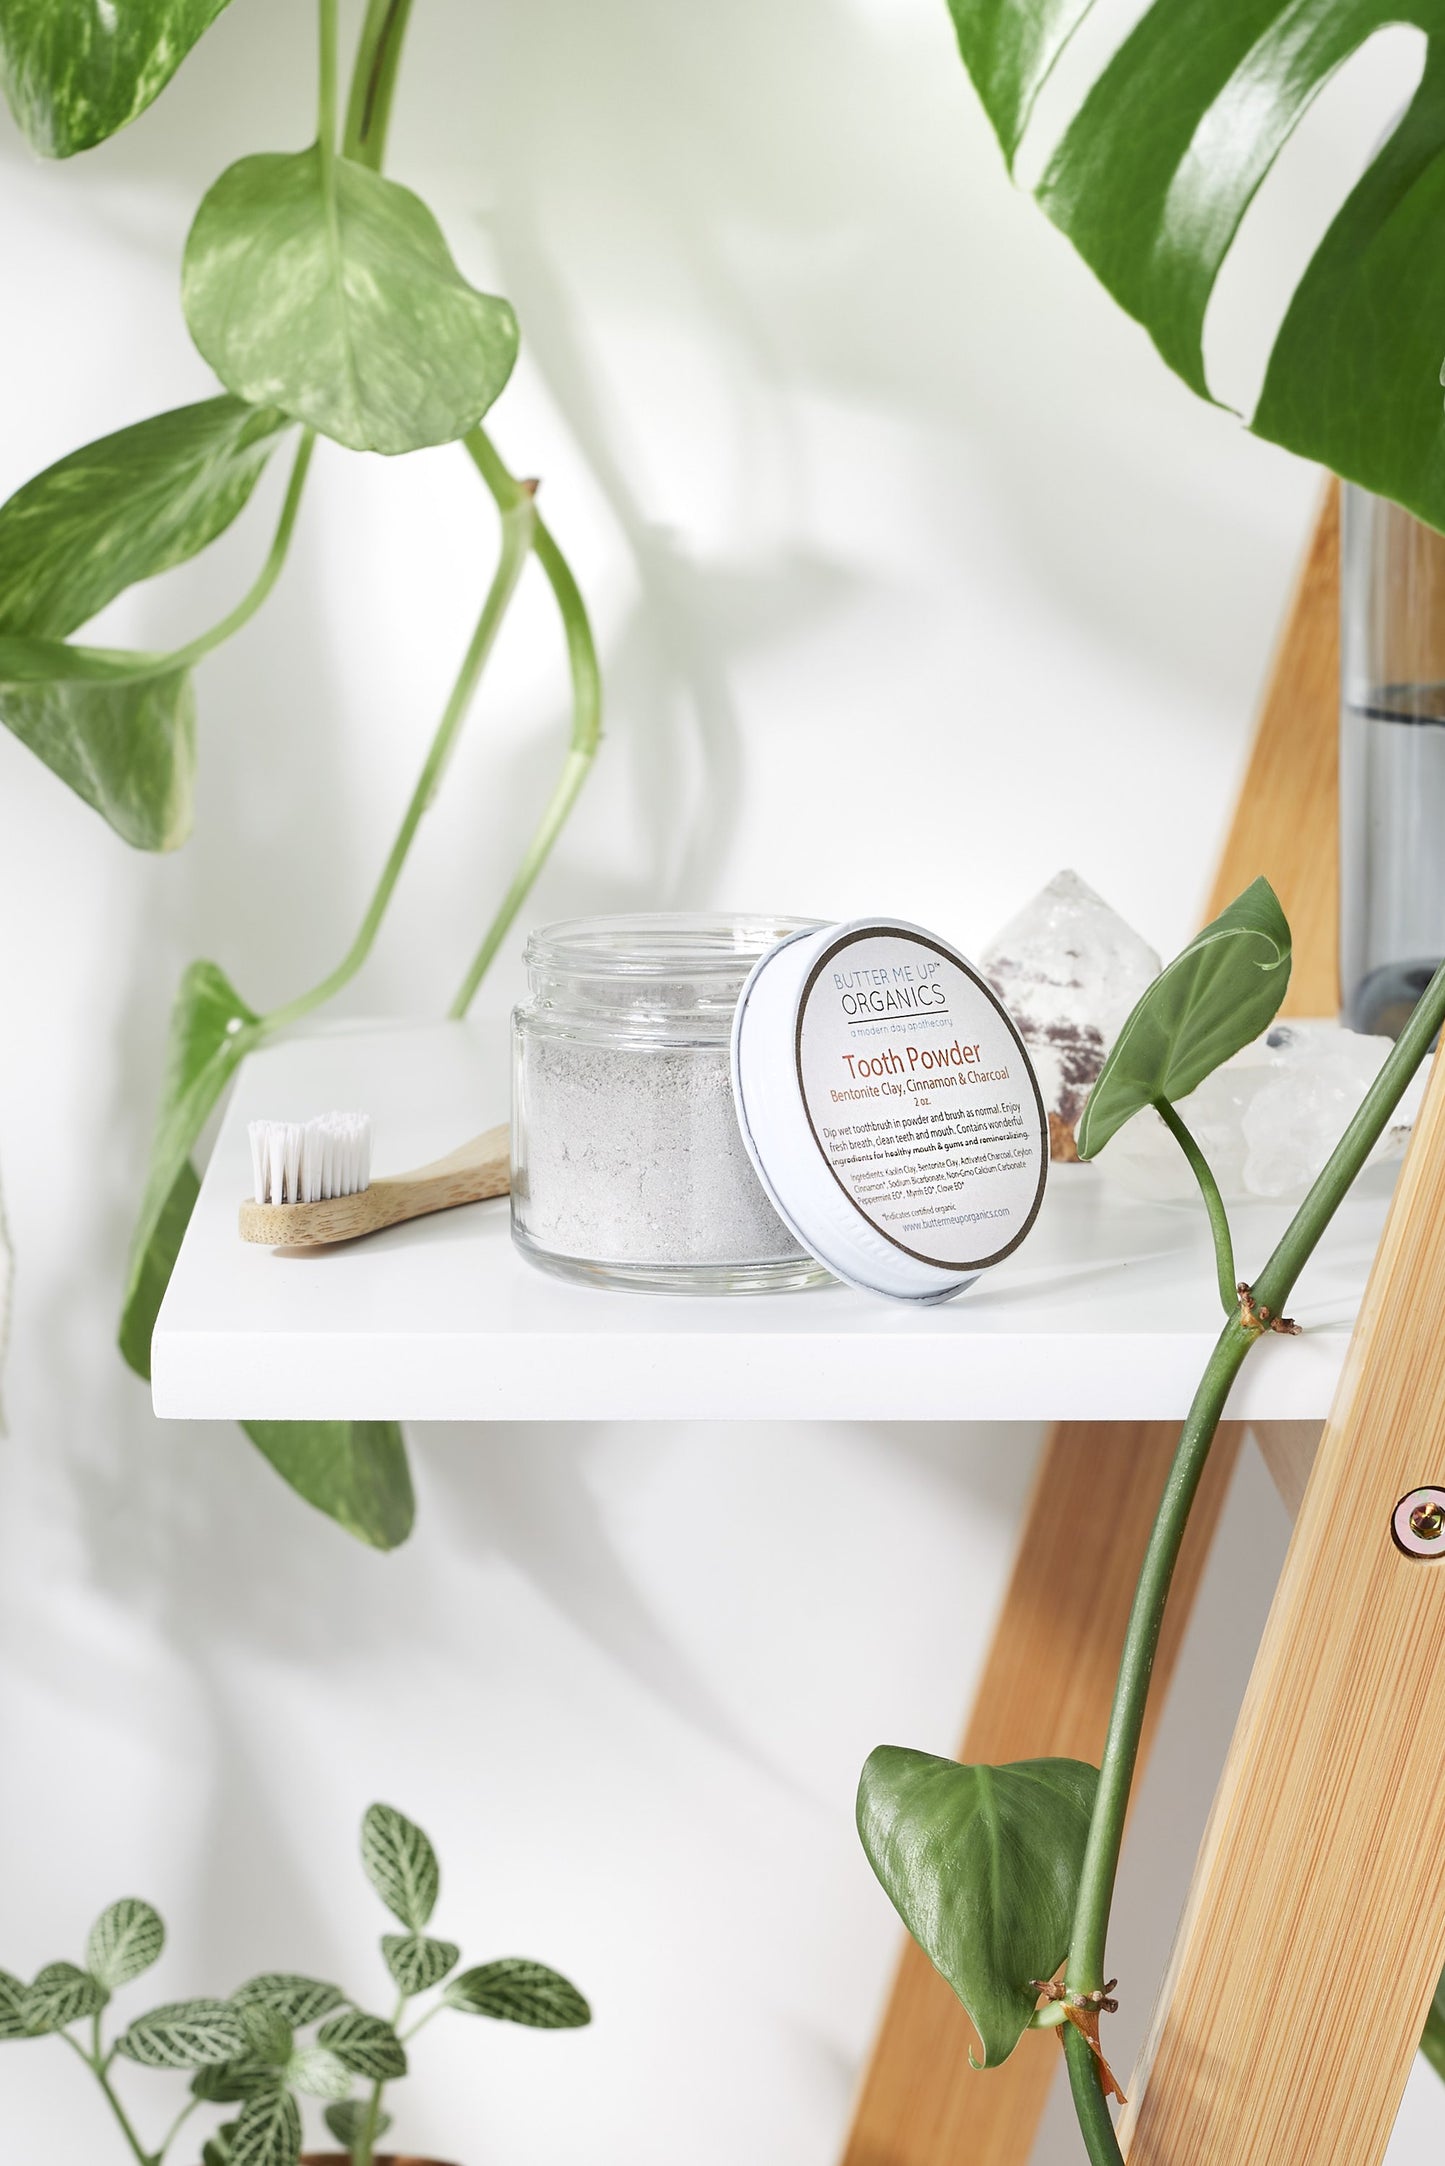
(311, 1161)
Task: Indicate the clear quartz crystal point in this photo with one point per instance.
(1069, 970)
(1266, 1121)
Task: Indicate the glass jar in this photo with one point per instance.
(1392, 760)
(628, 1166)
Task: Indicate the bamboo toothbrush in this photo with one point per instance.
(313, 1182)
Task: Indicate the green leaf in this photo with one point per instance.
(401, 1865)
(355, 1471)
(1217, 995)
(185, 2034)
(416, 1963)
(124, 1941)
(211, 1029)
(229, 2083)
(127, 507)
(365, 2045)
(61, 1995)
(515, 1990)
(347, 2122)
(75, 71)
(268, 2034)
(268, 2132)
(217, 2151)
(298, 2001)
(325, 290)
(1153, 204)
(12, 2008)
(982, 1865)
(318, 2072)
(1432, 2043)
(119, 729)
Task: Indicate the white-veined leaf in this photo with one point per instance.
(217, 2151)
(366, 2045)
(185, 2034)
(516, 1990)
(400, 1864)
(125, 1940)
(228, 2083)
(416, 1963)
(12, 2007)
(347, 2122)
(318, 2072)
(297, 2000)
(61, 1995)
(268, 2132)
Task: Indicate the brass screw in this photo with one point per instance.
(1428, 1521)
(1418, 1522)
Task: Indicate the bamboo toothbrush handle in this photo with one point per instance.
(469, 1174)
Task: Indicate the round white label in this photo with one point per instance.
(921, 1097)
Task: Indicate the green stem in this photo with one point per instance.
(266, 578)
(373, 81)
(326, 87)
(175, 2128)
(362, 2154)
(586, 732)
(95, 2063)
(1271, 1289)
(1213, 1204)
(517, 526)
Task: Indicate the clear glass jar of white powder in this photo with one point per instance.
(628, 1166)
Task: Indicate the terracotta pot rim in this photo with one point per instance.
(382, 2158)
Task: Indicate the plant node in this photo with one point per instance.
(1083, 2011)
(1257, 1317)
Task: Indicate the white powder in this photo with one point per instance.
(633, 1155)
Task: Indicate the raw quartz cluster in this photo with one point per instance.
(1266, 1121)
(1068, 970)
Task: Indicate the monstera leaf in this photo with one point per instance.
(312, 284)
(1164, 155)
(76, 70)
(982, 1865)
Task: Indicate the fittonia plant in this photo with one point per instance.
(279, 2039)
(935, 1831)
(325, 299)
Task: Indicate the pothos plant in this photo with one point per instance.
(1006, 1874)
(325, 299)
(280, 2038)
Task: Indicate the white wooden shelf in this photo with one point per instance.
(1107, 1311)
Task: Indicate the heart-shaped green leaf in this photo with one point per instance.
(185, 2034)
(60, 1995)
(125, 1940)
(356, 1472)
(365, 2045)
(1216, 996)
(347, 2122)
(12, 2008)
(268, 2132)
(211, 1028)
(982, 1865)
(1162, 158)
(401, 1865)
(416, 1963)
(125, 508)
(76, 70)
(120, 729)
(318, 2072)
(515, 1990)
(314, 285)
(296, 2000)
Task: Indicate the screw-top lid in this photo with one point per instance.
(889, 1107)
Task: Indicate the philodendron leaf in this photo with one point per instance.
(318, 2072)
(76, 70)
(12, 2008)
(416, 1963)
(119, 728)
(125, 1940)
(185, 2034)
(60, 1995)
(1216, 996)
(296, 2000)
(365, 2045)
(355, 1471)
(982, 1865)
(401, 1865)
(268, 2132)
(211, 1028)
(347, 2122)
(316, 286)
(124, 508)
(516, 1990)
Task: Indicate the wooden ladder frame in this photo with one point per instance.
(1315, 1927)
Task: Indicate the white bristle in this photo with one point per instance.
(308, 1162)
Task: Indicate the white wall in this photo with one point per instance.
(916, 577)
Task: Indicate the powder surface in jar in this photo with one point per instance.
(634, 1155)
